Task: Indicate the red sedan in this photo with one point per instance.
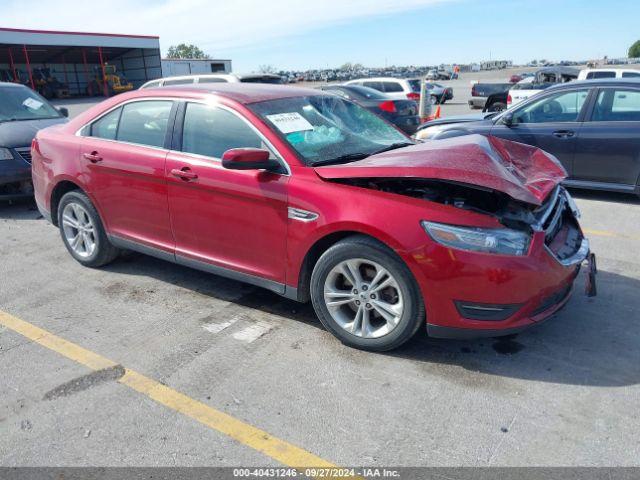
(315, 198)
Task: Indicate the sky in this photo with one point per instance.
(300, 35)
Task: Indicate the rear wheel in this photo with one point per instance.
(82, 231)
(365, 295)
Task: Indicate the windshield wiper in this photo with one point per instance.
(393, 146)
(348, 157)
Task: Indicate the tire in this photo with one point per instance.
(368, 257)
(434, 100)
(498, 107)
(76, 214)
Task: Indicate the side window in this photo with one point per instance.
(211, 131)
(375, 85)
(392, 87)
(562, 107)
(145, 122)
(617, 106)
(107, 126)
(630, 74)
(593, 75)
(211, 80)
(178, 81)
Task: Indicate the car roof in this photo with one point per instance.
(244, 93)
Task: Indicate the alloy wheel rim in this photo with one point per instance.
(78, 229)
(363, 298)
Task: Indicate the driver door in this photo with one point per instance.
(551, 123)
(234, 220)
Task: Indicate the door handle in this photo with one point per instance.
(184, 173)
(93, 157)
(563, 134)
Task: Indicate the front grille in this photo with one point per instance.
(25, 154)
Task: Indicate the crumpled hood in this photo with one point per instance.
(523, 172)
(20, 133)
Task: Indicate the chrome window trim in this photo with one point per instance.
(275, 151)
(115, 107)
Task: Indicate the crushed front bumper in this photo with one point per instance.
(469, 294)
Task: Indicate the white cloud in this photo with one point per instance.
(213, 25)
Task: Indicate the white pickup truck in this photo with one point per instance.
(543, 78)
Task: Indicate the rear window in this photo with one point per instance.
(365, 92)
(212, 80)
(271, 80)
(179, 81)
(107, 126)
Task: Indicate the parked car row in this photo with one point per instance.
(591, 126)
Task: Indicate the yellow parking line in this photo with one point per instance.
(242, 432)
(607, 233)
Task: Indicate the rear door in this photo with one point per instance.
(608, 145)
(123, 155)
(551, 123)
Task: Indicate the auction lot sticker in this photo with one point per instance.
(290, 122)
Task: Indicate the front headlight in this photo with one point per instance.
(501, 241)
(5, 154)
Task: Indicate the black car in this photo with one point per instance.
(22, 113)
(402, 113)
(592, 127)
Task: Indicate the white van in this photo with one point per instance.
(598, 73)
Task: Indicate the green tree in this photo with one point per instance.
(634, 50)
(183, 50)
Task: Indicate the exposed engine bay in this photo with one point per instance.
(511, 213)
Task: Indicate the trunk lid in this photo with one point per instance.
(525, 173)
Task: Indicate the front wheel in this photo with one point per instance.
(365, 295)
(82, 231)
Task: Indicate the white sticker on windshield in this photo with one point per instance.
(290, 122)
(32, 103)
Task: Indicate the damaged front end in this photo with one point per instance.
(556, 217)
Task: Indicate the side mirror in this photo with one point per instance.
(249, 159)
(64, 111)
(507, 119)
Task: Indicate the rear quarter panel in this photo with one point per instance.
(55, 159)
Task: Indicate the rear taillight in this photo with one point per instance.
(388, 106)
(473, 91)
(509, 100)
(413, 96)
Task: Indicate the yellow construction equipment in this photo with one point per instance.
(115, 83)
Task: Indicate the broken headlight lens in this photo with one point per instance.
(5, 154)
(502, 241)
